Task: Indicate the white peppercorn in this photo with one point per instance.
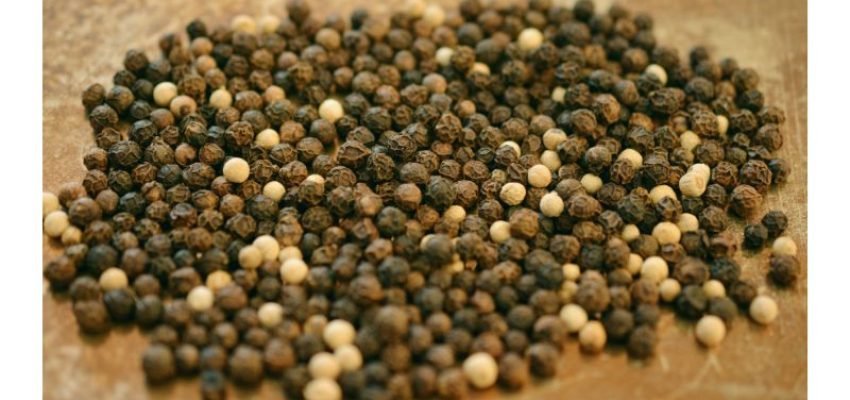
(481, 370)
(687, 223)
(558, 94)
(57, 221)
(500, 231)
(267, 138)
(331, 110)
(339, 332)
(268, 23)
(293, 271)
(218, 279)
(722, 124)
(692, 184)
(539, 176)
(634, 264)
(71, 235)
(551, 160)
(270, 314)
(571, 271)
(591, 183)
(553, 137)
(289, 252)
(322, 389)
(630, 232)
(434, 15)
(658, 71)
(567, 291)
(655, 269)
(250, 257)
(480, 68)
(49, 203)
(243, 23)
(710, 330)
(592, 337)
(274, 190)
(513, 145)
(113, 278)
(661, 191)
(551, 204)
(444, 56)
(349, 357)
(669, 289)
(574, 316)
(530, 39)
(513, 193)
(221, 98)
(713, 288)
(200, 298)
(236, 170)
(763, 309)
(323, 365)
(689, 140)
(455, 213)
(666, 233)
(163, 93)
(632, 156)
(784, 246)
(268, 246)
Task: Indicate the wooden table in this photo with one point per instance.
(85, 43)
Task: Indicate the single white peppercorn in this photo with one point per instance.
(267, 138)
(713, 288)
(274, 190)
(632, 156)
(480, 68)
(268, 246)
(200, 298)
(551, 204)
(250, 257)
(424, 241)
(784, 246)
(182, 105)
(444, 56)
(289, 252)
(692, 184)
(539, 176)
(551, 160)
(236, 170)
(514, 145)
(591, 183)
(513, 193)
(269, 23)
(204, 63)
(687, 222)
(661, 191)
(763, 309)
(328, 38)
(666, 233)
(49, 203)
(316, 178)
(57, 221)
(655, 269)
(710, 330)
(722, 124)
(71, 235)
(553, 137)
(323, 365)
(530, 39)
(558, 94)
(567, 291)
(574, 317)
(243, 23)
(339, 332)
(658, 71)
(669, 289)
(163, 93)
(592, 337)
(634, 264)
(571, 271)
(322, 389)
(293, 271)
(434, 15)
(113, 278)
(349, 357)
(454, 213)
(221, 98)
(331, 110)
(270, 314)
(630, 232)
(481, 370)
(273, 93)
(500, 231)
(701, 169)
(218, 279)
(689, 140)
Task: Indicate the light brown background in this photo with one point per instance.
(84, 42)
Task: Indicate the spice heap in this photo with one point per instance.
(419, 205)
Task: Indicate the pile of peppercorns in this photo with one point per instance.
(411, 206)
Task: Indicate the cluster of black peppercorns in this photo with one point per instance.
(413, 206)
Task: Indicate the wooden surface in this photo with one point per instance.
(84, 42)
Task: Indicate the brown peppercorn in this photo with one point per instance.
(784, 269)
(159, 363)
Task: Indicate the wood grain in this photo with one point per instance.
(85, 43)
